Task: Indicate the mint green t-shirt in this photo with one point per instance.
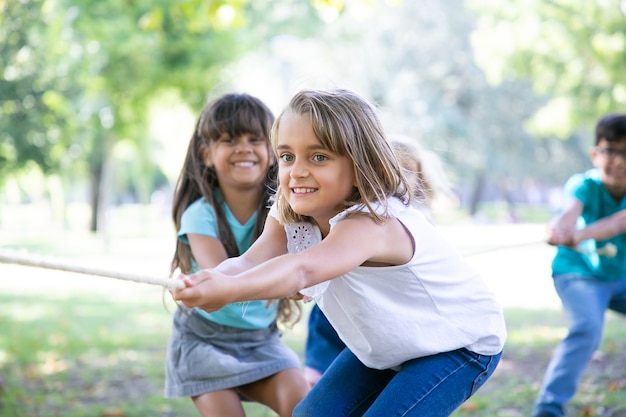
(597, 203)
(199, 218)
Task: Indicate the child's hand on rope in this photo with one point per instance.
(560, 237)
(203, 289)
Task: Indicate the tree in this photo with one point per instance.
(571, 51)
(416, 62)
(35, 90)
(94, 67)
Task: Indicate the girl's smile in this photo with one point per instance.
(303, 190)
(241, 161)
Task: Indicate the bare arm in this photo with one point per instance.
(350, 243)
(271, 243)
(208, 252)
(562, 227)
(603, 229)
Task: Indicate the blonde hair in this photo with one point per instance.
(410, 160)
(348, 125)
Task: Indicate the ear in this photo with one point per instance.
(595, 157)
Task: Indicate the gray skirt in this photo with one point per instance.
(203, 356)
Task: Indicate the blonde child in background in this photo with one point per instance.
(422, 329)
(220, 205)
(425, 172)
(427, 179)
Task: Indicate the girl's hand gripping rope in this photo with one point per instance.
(205, 289)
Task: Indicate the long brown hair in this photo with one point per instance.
(234, 115)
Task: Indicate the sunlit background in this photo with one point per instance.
(97, 104)
(98, 99)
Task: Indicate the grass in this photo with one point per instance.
(533, 335)
(88, 354)
(98, 355)
(75, 345)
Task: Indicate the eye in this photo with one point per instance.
(615, 152)
(256, 139)
(286, 157)
(226, 139)
(320, 158)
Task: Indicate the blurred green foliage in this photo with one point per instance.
(78, 76)
(492, 87)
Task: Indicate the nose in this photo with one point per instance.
(243, 147)
(298, 169)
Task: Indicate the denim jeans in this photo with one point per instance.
(323, 344)
(585, 300)
(432, 386)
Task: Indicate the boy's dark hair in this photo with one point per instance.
(611, 128)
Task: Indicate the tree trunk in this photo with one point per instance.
(475, 198)
(95, 181)
(100, 186)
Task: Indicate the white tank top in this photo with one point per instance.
(388, 315)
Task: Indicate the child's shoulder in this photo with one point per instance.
(199, 207)
(591, 178)
(199, 204)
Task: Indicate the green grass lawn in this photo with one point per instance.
(78, 345)
(95, 354)
(86, 354)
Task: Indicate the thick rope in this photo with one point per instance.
(47, 263)
(491, 249)
(609, 251)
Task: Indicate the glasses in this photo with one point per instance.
(611, 153)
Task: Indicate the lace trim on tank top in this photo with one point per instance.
(303, 235)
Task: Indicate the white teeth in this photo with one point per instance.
(244, 164)
(303, 190)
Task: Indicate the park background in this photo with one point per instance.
(97, 105)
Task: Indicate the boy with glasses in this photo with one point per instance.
(588, 279)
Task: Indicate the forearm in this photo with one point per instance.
(603, 229)
(233, 266)
(562, 227)
(282, 275)
(277, 278)
(210, 289)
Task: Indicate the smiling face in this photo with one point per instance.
(239, 162)
(314, 181)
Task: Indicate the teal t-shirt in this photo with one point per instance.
(597, 203)
(199, 218)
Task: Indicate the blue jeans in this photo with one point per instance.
(323, 344)
(585, 300)
(432, 386)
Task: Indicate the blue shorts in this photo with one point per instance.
(203, 356)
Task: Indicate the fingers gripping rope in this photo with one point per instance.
(47, 263)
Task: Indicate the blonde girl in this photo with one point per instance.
(427, 179)
(218, 358)
(423, 331)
